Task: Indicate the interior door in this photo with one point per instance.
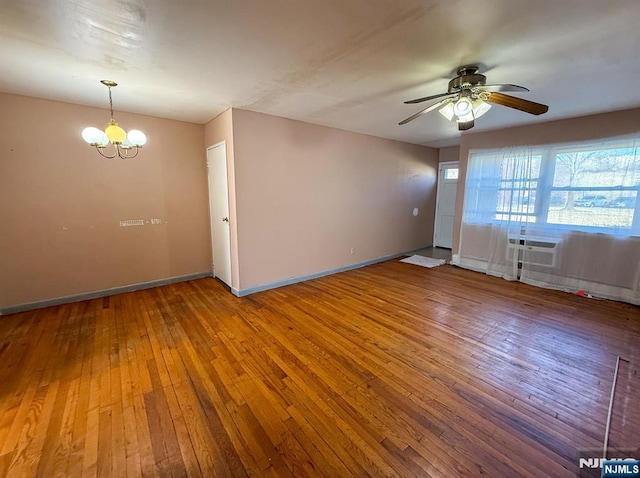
(219, 212)
(445, 204)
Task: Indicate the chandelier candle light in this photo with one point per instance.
(125, 145)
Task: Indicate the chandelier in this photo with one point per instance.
(125, 145)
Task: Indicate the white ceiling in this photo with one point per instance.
(349, 64)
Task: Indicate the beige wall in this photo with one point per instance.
(61, 203)
(301, 196)
(575, 129)
(307, 194)
(216, 131)
(449, 154)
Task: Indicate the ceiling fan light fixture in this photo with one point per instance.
(463, 106)
(480, 107)
(447, 111)
(468, 97)
(465, 118)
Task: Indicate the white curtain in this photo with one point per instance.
(563, 216)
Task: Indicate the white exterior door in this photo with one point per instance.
(219, 211)
(445, 204)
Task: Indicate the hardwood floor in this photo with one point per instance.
(389, 370)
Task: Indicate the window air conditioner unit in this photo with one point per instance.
(537, 251)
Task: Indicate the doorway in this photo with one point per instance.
(219, 211)
(445, 204)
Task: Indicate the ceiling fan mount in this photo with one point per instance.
(468, 97)
(468, 77)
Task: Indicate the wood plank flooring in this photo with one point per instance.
(388, 370)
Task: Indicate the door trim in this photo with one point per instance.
(222, 143)
(451, 165)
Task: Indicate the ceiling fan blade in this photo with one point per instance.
(427, 109)
(465, 125)
(518, 103)
(503, 87)
(426, 98)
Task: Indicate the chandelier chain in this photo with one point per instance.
(110, 104)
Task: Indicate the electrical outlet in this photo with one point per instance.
(353, 250)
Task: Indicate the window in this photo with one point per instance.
(451, 173)
(595, 187)
(591, 187)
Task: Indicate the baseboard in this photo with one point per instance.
(316, 275)
(100, 293)
(172, 280)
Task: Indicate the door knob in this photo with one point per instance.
(225, 219)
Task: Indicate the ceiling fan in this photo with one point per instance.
(468, 98)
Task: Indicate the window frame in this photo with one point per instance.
(544, 189)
